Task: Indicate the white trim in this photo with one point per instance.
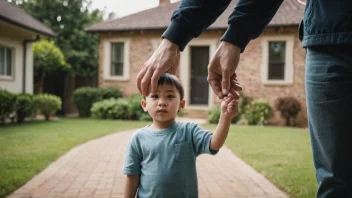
(185, 66)
(11, 77)
(107, 59)
(289, 67)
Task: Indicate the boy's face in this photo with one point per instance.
(164, 104)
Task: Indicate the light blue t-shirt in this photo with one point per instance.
(166, 160)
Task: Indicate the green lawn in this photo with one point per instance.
(283, 155)
(28, 148)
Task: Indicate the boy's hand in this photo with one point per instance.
(229, 106)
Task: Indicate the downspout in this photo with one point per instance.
(25, 62)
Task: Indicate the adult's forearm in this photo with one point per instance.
(248, 20)
(192, 18)
(220, 133)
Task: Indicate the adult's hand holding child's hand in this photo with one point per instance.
(229, 106)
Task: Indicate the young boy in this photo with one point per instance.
(161, 157)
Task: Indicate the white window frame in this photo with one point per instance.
(11, 77)
(289, 67)
(107, 59)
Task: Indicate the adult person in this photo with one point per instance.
(326, 33)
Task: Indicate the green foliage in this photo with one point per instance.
(47, 104)
(7, 105)
(146, 117)
(289, 107)
(111, 109)
(134, 107)
(25, 107)
(69, 20)
(214, 116)
(48, 57)
(109, 92)
(85, 97)
(257, 112)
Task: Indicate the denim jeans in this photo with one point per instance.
(329, 104)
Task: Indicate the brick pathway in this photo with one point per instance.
(93, 170)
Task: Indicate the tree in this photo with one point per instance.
(69, 20)
(47, 58)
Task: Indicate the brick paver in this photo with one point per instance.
(93, 170)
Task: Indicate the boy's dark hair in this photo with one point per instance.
(169, 79)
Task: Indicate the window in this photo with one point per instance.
(116, 59)
(117, 56)
(277, 60)
(5, 61)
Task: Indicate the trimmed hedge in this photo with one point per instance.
(85, 97)
(47, 104)
(123, 109)
(25, 107)
(19, 106)
(258, 112)
(7, 105)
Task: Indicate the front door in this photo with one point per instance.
(199, 72)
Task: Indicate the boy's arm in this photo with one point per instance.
(228, 111)
(131, 186)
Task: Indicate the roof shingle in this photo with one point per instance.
(16, 16)
(290, 13)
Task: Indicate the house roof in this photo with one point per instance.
(14, 15)
(289, 14)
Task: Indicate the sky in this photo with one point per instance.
(124, 7)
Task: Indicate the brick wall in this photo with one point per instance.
(248, 71)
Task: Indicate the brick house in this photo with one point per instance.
(272, 66)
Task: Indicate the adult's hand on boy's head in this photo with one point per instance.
(221, 70)
(164, 60)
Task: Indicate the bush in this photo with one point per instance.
(85, 97)
(145, 117)
(257, 112)
(7, 105)
(214, 116)
(134, 107)
(25, 107)
(289, 107)
(111, 109)
(47, 104)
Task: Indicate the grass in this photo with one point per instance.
(283, 155)
(27, 149)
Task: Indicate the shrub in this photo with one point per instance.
(109, 92)
(47, 104)
(134, 107)
(25, 107)
(289, 107)
(145, 117)
(85, 97)
(7, 105)
(111, 109)
(257, 112)
(214, 116)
